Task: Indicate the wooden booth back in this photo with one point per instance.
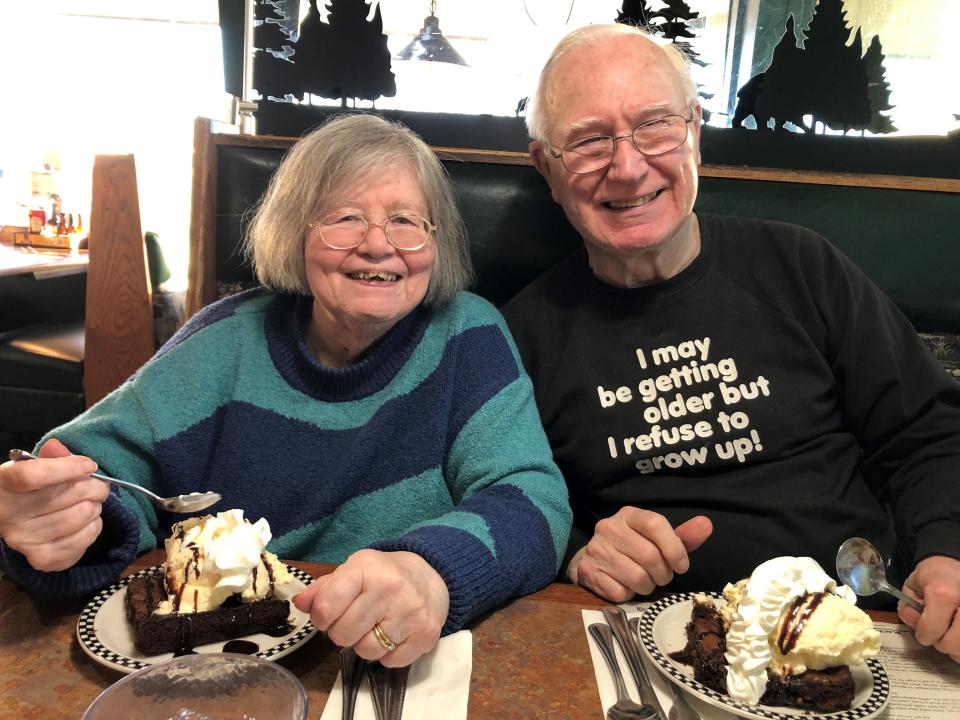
(903, 232)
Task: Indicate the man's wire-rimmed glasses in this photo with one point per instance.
(346, 230)
(595, 152)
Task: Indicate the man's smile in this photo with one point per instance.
(632, 203)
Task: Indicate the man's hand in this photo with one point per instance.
(50, 507)
(936, 583)
(399, 591)
(634, 551)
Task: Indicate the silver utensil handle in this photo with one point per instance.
(617, 619)
(388, 686)
(601, 635)
(18, 455)
(897, 593)
(352, 667)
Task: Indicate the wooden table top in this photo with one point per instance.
(530, 657)
(20, 259)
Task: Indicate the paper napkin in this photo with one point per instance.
(438, 685)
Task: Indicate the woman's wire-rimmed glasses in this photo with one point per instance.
(346, 230)
(654, 137)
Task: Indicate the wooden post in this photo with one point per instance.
(119, 316)
(202, 270)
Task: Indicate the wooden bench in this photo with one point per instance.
(902, 231)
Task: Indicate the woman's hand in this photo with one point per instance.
(50, 507)
(399, 591)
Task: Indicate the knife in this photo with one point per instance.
(617, 619)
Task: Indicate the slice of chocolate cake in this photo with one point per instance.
(827, 690)
(705, 647)
(157, 633)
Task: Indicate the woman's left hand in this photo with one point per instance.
(397, 591)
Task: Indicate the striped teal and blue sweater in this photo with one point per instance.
(430, 443)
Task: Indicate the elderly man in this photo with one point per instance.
(727, 386)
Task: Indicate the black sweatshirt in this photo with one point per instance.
(770, 386)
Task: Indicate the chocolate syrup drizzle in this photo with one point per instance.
(195, 565)
(795, 620)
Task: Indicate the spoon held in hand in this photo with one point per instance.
(189, 503)
(860, 566)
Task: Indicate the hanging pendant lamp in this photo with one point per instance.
(430, 44)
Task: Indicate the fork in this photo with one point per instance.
(189, 503)
(624, 708)
(680, 709)
(388, 687)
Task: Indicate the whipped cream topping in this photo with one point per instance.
(231, 546)
(771, 587)
(212, 557)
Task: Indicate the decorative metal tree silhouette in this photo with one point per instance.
(835, 73)
(672, 24)
(345, 57)
(777, 91)
(314, 61)
(827, 79)
(635, 12)
(273, 65)
(675, 17)
(878, 89)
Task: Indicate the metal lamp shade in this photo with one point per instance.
(431, 45)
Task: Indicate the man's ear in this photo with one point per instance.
(696, 130)
(539, 156)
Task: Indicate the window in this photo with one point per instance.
(505, 41)
(115, 77)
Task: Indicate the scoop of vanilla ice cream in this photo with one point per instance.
(212, 557)
(768, 592)
(835, 633)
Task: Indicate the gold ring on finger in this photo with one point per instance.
(385, 642)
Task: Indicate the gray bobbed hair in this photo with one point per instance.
(347, 149)
(538, 124)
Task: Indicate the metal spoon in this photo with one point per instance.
(681, 709)
(624, 708)
(190, 503)
(860, 566)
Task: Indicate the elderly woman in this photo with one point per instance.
(375, 413)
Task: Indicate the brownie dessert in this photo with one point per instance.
(217, 583)
(157, 633)
(826, 690)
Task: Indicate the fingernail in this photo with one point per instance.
(89, 466)
(683, 565)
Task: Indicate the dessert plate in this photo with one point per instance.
(663, 630)
(106, 636)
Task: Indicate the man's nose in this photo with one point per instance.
(627, 162)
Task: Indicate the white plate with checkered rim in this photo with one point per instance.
(663, 631)
(106, 636)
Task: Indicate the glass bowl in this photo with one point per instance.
(208, 686)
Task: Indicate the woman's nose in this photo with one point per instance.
(375, 242)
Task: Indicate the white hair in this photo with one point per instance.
(536, 111)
